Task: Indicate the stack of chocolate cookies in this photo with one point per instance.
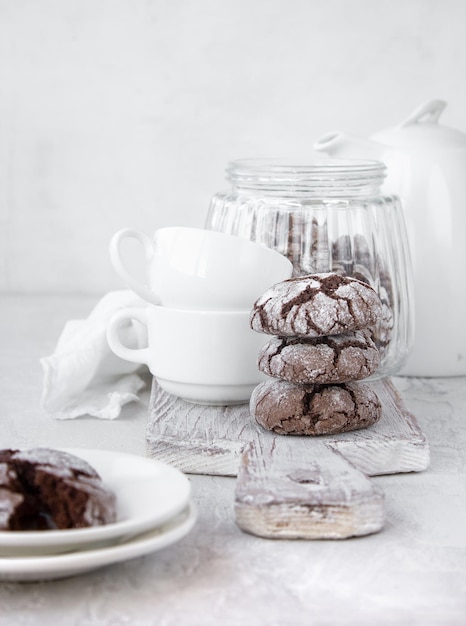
(321, 346)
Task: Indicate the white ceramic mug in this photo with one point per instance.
(205, 357)
(195, 268)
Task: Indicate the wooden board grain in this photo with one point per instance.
(302, 491)
(209, 440)
(288, 486)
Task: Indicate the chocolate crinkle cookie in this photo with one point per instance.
(47, 489)
(315, 306)
(290, 409)
(331, 359)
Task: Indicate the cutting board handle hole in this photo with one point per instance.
(306, 477)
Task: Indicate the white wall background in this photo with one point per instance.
(121, 113)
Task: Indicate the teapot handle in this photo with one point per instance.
(429, 113)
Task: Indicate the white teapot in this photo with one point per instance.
(426, 165)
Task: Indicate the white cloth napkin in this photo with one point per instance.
(83, 376)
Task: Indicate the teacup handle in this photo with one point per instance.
(115, 256)
(135, 355)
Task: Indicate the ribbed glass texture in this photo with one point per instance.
(328, 216)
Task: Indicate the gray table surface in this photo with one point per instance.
(412, 572)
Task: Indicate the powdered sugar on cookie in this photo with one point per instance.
(331, 359)
(315, 306)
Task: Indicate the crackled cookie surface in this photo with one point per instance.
(316, 305)
(44, 489)
(331, 359)
(291, 409)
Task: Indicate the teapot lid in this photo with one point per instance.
(421, 130)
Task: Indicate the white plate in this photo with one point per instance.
(21, 569)
(148, 494)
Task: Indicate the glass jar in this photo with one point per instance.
(328, 216)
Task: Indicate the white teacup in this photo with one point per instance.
(205, 357)
(194, 268)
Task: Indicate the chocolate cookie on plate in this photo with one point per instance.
(316, 305)
(331, 359)
(292, 409)
(47, 489)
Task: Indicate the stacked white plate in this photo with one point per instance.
(154, 510)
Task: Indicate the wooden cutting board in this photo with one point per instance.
(289, 486)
